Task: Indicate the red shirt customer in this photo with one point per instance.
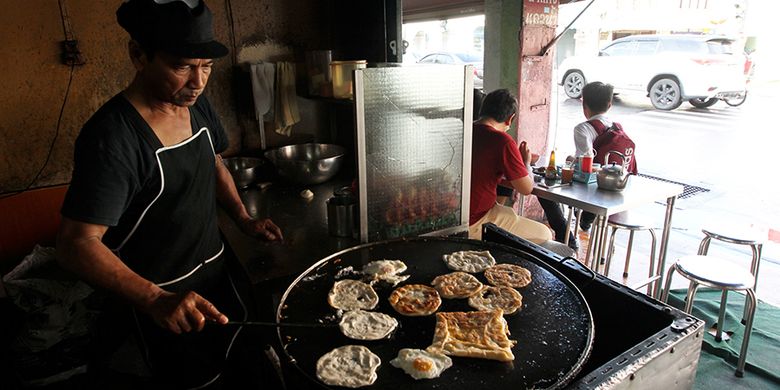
(496, 159)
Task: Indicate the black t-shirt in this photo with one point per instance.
(160, 201)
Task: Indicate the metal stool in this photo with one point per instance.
(740, 236)
(723, 275)
(631, 222)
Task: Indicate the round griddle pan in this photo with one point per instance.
(554, 328)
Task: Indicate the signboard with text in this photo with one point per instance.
(540, 13)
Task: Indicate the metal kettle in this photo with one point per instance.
(613, 177)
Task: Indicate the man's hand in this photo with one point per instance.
(525, 153)
(261, 228)
(184, 312)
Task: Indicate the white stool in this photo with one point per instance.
(721, 274)
(632, 222)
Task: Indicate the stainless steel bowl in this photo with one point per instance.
(245, 170)
(307, 163)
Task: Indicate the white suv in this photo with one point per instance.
(668, 68)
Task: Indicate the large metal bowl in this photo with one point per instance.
(310, 163)
(245, 170)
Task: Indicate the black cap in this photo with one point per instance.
(172, 27)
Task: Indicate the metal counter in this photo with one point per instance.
(304, 226)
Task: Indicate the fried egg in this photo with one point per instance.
(421, 364)
(386, 270)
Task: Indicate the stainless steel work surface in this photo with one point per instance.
(304, 224)
(588, 197)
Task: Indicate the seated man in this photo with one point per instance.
(497, 159)
(597, 132)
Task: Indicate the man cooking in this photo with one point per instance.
(139, 220)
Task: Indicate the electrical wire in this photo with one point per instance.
(68, 35)
(232, 29)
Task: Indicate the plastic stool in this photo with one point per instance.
(631, 222)
(721, 274)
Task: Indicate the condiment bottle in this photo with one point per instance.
(587, 162)
(551, 171)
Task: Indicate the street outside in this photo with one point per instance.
(726, 150)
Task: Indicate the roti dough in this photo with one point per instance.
(351, 294)
(491, 298)
(474, 334)
(457, 285)
(508, 275)
(349, 366)
(415, 300)
(367, 325)
(469, 261)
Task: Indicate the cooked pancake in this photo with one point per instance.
(457, 285)
(491, 298)
(508, 275)
(348, 366)
(476, 334)
(367, 325)
(351, 294)
(421, 364)
(415, 300)
(469, 261)
(386, 270)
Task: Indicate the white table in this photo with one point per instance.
(639, 191)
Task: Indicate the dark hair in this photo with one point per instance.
(499, 105)
(479, 96)
(597, 96)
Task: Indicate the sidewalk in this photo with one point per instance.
(690, 215)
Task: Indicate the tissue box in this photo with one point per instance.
(584, 177)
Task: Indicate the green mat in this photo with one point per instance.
(719, 359)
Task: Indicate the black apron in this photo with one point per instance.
(176, 244)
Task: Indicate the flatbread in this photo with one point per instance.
(349, 366)
(469, 261)
(415, 300)
(351, 294)
(457, 285)
(508, 275)
(367, 325)
(476, 334)
(490, 298)
(386, 270)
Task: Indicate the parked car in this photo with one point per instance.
(668, 68)
(458, 58)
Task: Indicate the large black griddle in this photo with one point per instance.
(554, 329)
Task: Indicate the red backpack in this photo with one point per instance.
(613, 138)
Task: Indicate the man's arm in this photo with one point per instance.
(227, 195)
(525, 184)
(80, 249)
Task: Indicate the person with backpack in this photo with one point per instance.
(600, 134)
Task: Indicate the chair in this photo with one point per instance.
(721, 274)
(633, 223)
(754, 238)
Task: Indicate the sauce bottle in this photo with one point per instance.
(551, 172)
(587, 162)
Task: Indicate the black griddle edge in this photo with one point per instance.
(630, 326)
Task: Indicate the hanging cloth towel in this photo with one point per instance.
(285, 103)
(263, 90)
